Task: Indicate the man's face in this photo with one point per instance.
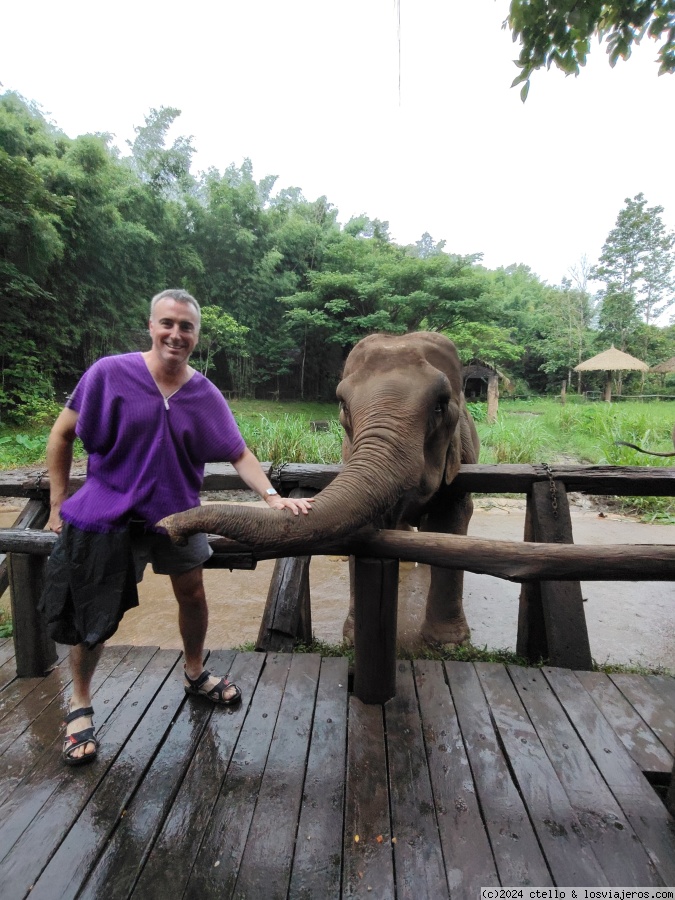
(174, 329)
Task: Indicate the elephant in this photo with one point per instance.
(649, 452)
(407, 430)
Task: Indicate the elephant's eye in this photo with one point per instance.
(441, 406)
(344, 414)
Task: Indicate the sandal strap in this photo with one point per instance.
(198, 682)
(78, 714)
(78, 738)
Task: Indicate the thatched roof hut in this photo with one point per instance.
(665, 367)
(609, 361)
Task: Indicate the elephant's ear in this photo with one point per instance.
(464, 447)
(453, 459)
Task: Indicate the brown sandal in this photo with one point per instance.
(216, 694)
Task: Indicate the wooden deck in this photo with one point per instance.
(474, 775)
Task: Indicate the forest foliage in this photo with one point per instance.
(88, 235)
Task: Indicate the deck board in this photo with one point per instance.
(473, 775)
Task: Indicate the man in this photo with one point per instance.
(149, 423)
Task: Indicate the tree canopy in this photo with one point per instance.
(559, 32)
(87, 236)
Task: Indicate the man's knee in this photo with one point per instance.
(188, 587)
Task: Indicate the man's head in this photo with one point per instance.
(174, 327)
(180, 296)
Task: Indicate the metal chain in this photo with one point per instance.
(552, 489)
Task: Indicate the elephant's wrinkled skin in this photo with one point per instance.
(407, 430)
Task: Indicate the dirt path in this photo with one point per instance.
(628, 622)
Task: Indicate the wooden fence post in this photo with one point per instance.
(34, 650)
(375, 621)
(288, 610)
(558, 605)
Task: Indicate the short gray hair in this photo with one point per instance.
(180, 296)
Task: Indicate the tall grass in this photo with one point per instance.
(533, 431)
(290, 439)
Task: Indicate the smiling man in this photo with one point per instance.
(149, 423)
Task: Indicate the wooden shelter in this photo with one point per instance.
(474, 375)
(609, 361)
(664, 368)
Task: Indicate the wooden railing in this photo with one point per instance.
(551, 622)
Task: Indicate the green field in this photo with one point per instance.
(526, 431)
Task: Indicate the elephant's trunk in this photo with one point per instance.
(366, 488)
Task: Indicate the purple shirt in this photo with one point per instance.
(146, 456)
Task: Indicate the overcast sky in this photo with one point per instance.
(309, 91)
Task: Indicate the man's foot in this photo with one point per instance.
(217, 690)
(80, 746)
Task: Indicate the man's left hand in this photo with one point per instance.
(296, 505)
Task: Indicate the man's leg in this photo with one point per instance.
(193, 620)
(83, 662)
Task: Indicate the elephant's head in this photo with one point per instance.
(407, 430)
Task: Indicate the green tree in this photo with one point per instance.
(218, 331)
(559, 32)
(636, 266)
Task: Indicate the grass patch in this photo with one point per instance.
(465, 653)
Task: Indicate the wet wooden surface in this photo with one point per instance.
(472, 775)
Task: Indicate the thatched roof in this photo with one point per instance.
(665, 367)
(610, 361)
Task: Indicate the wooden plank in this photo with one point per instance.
(288, 591)
(39, 744)
(511, 560)
(67, 869)
(317, 863)
(657, 712)
(214, 871)
(12, 693)
(287, 617)
(6, 651)
(567, 850)
(642, 807)
(531, 641)
(168, 860)
(627, 481)
(418, 857)
(562, 604)
(69, 794)
(265, 868)
(469, 862)
(514, 844)
(35, 651)
(640, 741)
(615, 845)
(118, 868)
(619, 481)
(368, 865)
(375, 618)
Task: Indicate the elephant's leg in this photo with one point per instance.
(348, 627)
(445, 622)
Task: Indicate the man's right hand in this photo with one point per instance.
(55, 522)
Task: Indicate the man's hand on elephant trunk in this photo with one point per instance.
(296, 505)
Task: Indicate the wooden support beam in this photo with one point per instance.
(375, 621)
(34, 515)
(511, 560)
(34, 650)
(288, 613)
(551, 618)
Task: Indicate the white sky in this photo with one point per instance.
(309, 90)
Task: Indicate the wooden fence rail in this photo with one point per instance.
(551, 618)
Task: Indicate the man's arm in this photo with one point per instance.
(59, 459)
(251, 472)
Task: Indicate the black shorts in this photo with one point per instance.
(91, 578)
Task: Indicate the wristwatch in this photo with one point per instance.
(271, 492)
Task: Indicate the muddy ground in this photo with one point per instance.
(627, 622)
